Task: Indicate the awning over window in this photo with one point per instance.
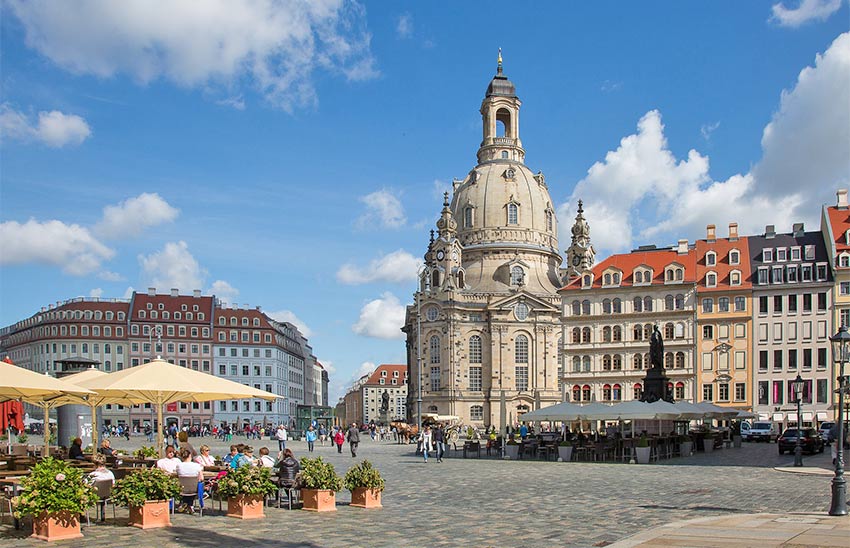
(808, 415)
(764, 417)
(792, 417)
(823, 416)
(778, 417)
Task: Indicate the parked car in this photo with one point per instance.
(825, 431)
(759, 431)
(810, 440)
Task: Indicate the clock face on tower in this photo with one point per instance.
(576, 260)
(440, 255)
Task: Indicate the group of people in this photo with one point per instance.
(433, 439)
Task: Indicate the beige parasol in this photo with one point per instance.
(40, 389)
(159, 382)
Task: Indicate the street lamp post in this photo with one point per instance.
(840, 353)
(797, 387)
(422, 272)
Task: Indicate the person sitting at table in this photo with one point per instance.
(239, 459)
(228, 458)
(248, 455)
(101, 472)
(581, 437)
(187, 468)
(204, 458)
(105, 449)
(169, 463)
(265, 460)
(76, 450)
(287, 469)
(183, 439)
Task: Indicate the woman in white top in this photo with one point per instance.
(204, 458)
(425, 440)
(187, 468)
(101, 473)
(169, 463)
(265, 460)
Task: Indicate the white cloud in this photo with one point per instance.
(404, 28)
(366, 368)
(54, 129)
(71, 247)
(707, 129)
(381, 318)
(398, 266)
(272, 46)
(328, 365)
(132, 216)
(110, 276)
(610, 86)
(290, 317)
(173, 267)
(806, 11)
(641, 191)
(237, 102)
(224, 291)
(128, 292)
(96, 293)
(382, 209)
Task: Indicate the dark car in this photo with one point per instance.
(810, 440)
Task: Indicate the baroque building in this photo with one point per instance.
(485, 318)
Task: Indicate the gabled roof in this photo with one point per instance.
(375, 377)
(657, 260)
(526, 297)
(839, 220)
(722, 267)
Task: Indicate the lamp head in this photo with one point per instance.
(841, 345)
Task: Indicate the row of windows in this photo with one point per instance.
(711, 278)
(780, 274)
(723, 331)
(84, 348)
(79, 315)
(71, 330)
(614, 392)
(169, 331)
(724, 304)
(258, 370)
(672, 274)
(780, 254)
(788, 331)
(234, 321)
(246, 406)
(617, 306)
(734, 257)
(614, 362)
(584, 335)
(723, 392)
(234, 352)
(790, 303)
(170, 348)
(789, 359)
(512, 211)
(165, 315)
(779, 391)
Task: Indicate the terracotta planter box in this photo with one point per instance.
(246, 507)
(319, 500)
(153, 514)
(57, 526)
(363, 497)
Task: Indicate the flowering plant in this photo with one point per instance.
(54, 486)
(246, 480)
(145, 484)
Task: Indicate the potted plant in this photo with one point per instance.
(145, 452)
(565, 451)
(686, 446)
(246, 488)
(319, 483)
(512, 449)
(365, 484)
(22, 437)
(642, 449)
(54, 494)
(146, 492)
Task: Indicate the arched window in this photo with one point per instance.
(521, 349)
(606, 392)
(576, 364)
(668, 276)
(606, 306)
(680, 274)
(549, 221)
(475, 349)
(585, 392)
(680, 331)
(460, 279)
(668, 331)
(585, 335)
(616, 277)
(616, 393)
(637, 391)
(434, 349)
(576, 335)
(576, 308)
(606, 280)
(680, 391)
(517, 275)
(637, 304)
(638, 332)
(467, 217)
(617, 362)
(576, 393)
(680, 302)
(647, 304)
(585, 363)
(585, 307)
(668, 302)
(680, 360)
(606, 334)
(504, 154)
(513, 214)
(617, 305)
(606, 362)
(647, 331)
(646, 363)
(637, 361)
(435, 278)
(668, 360)
(617, 333)
(638, 277)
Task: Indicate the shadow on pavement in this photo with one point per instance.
(189, 536)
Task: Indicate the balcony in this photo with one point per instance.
(504, 141)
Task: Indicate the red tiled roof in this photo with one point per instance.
(722, 268)
(839, 219)
(173, 304)
(657, 260)
(375, 377)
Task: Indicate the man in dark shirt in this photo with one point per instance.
(439, 438)
(353, 438)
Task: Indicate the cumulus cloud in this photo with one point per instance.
(132, 216)
(272, 46)
(805, 12)
(404, 27)
(381, 318)
(630, 195)
(54, 129)
(96, 293)
(290, 317)
(71, 247)
(172, 267)
(382, 209)
(110, 276)
(398, 266)
(224, 291)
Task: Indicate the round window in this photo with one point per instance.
(521, 311)
(431, 313)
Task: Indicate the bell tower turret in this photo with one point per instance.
(500, 118)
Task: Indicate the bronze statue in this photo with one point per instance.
(656, 349)
(385, 401)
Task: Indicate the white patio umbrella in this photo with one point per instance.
(159, 382)
(715, 411)
(564, 412)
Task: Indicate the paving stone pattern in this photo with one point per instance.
(493, 502)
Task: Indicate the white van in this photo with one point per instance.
(759, 431)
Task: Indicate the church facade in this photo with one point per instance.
(485, 324)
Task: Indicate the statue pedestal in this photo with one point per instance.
(655, 386)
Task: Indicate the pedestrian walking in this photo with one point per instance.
(439, 436)
(281, 437)
(425, 439)
(311, 438)
(339, 439)
(353, 438)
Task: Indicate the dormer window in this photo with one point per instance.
(711, 279)
(795, 254)
(150, 306)
(847, 237)
(606, 279)
(767, 256)
(513, 214)
(735, 277)
(616, 277)
(810, 253)
(587, 280)
(844, 260)
(781, 254)
(674, 274)
(710, 258)
(734, 257)
(517, 275)
(638, 276)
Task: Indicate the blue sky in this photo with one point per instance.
(292, 155)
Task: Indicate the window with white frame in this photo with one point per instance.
(734, 257)
(434, 349)
(475, 378)
(710, 258)
(513, 214)
(475, 349)
(711, 279)
(767, 255)
(521, 349)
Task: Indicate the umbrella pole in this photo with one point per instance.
(46, 430)
(94, 428)
(159, 429)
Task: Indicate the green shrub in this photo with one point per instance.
(145, 452)
(54, 486)
(22, 437)
(318, 474)
(642, 441)
(145, 484)
(246, 480)
(363, 475)
(565, 443)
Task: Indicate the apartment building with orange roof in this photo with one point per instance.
(835, 226)
(724, 372)
(608, 314)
